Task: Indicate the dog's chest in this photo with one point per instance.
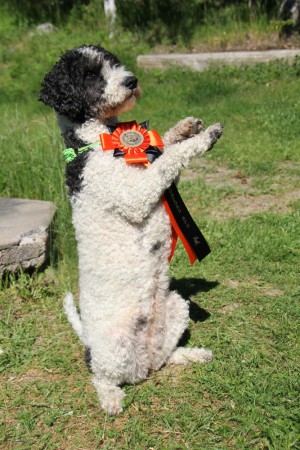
(99, 215)
(104, 227)
(155, 233)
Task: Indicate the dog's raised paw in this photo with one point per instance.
(184, 129)
(190, 127)
(215, 132)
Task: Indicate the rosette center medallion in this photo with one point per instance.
(131, 138)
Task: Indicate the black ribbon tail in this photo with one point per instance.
(186, 223)
(153, 153)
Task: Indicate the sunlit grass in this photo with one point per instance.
(244, 296)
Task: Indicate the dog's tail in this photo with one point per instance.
(73, 316)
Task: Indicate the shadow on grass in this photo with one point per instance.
(191, 286)
(187, 287)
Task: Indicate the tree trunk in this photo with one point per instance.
(251, 6)
(290, 11)
(110, 11)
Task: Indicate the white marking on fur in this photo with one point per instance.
(90, 130)
(72, 315)
(91, 53)
(115, 92)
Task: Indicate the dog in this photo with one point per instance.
(129, 319)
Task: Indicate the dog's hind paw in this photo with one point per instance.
(110, 396)
(112, 403)
(184, 355)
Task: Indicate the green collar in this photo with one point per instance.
(70, 154)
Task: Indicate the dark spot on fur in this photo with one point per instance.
(156, 247)
(123, 343)
(140, 324)
(87, 357)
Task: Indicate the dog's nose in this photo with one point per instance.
(130, 82)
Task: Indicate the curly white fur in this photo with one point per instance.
(129, 319)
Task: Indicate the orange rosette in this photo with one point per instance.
(133, 140)
(128, 136)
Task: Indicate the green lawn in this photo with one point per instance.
(244, 296)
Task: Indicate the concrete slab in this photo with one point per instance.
(23, 233)
(202, 61)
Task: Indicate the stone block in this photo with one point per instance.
(24, 226)
(202, 61)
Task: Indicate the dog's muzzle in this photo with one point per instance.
(130, 82)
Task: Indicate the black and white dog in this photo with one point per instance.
(129, 319)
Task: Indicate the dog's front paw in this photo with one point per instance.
(184, 129)
(189, 127)
(214, 133)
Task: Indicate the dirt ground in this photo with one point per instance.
(245, 198)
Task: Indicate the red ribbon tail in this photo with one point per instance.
(176, 232)
(174, 243)
(155, 139)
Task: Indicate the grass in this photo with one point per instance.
(244, 296)
(231, 28)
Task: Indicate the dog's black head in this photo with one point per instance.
(89, 82)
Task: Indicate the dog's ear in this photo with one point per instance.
(60, 87)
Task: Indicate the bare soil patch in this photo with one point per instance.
(242, 206)
(254, 283)
(244, 200)
(228, 309)
(218, 176)
(34, 375)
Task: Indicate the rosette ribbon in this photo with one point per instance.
(138, 145)
(132, 141)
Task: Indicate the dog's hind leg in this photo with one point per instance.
(176, 321)
(172, 317)
(181, 355)
(107, 369)
(117, 357)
